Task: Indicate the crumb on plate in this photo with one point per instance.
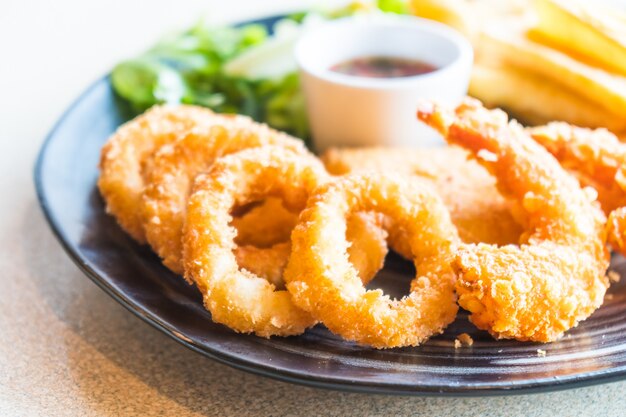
(613, 276)
(463, 339)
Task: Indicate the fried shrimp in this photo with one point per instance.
(595, 156)
(121, 180)
(323, 282)
(598, 159)
(478, 210)
(616, 230)
(556, 276)
(171, 176)
(235, 296)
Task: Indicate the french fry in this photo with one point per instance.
(535, 101)
(518, 66)
(510, 45)
(468, 16)
(586, 28)
(454, 13)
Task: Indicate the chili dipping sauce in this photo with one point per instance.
(383, 67)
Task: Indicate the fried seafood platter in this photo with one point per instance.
(484, 259)
(511, 225)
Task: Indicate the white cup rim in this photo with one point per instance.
(419, 25)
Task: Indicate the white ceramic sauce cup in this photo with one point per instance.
(348, 110)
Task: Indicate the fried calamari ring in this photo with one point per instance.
(235, 297)
(477, 209)
(598, 159)
(368, 244)
(121, 181)
(174, 168)
(322, 280)
(265, 224)
(367, 251)
(268, 263)
(127, 156)
(556, 276)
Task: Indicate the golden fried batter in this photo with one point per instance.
(616, 230)
(323, 282)
(556, 276)
(598, 159)
(121, 180)
(265, 224)
(235, 297)
(175, 166)
(477, 209)
(367, 251)
(595, 156)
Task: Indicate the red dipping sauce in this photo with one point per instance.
(383, 67)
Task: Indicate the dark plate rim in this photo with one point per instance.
(516, 388)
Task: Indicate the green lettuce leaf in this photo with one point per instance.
(239, 69)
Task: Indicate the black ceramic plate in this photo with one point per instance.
(65, 178)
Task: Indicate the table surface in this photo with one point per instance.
(67, 348)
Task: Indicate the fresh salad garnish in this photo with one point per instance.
(233, 69)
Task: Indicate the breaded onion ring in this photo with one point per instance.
(121, 181)
(598, 159)
(175, 166)
(556, 276)
(323, 282)
(236, 297)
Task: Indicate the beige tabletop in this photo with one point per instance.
(67, 348)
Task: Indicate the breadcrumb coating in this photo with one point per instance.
(478, 210)
(124, 155)
(174, 168)
(323, 282)
(555, 277)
